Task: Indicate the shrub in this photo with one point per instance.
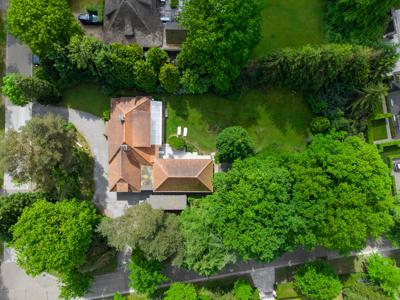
(384, 273)
(174, 3)
(169, 78)
(193, 83)
(234, 143)
(317, 281)
(181, 291)
(320, 124)
(145, 76)
(363, 291)
(177, 142)
(156, 57)
(242, 290)
(105, 115)
(75, 284)
(145, 275)
(96, 9)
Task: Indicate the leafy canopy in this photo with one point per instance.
(234, 143)
(53, 236)
(181, 291)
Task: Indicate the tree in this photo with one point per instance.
(145, 275)
(370, 99)
(363, 291)
(39, 151)
(358, 20)
(181, 291)
(242, 290)
(152, 231)
(41, 23)
(320, 124)
(146, 77)
(220, 38)
(193, 83)
(74, 284)
(23, 89)
(341, 193)
(53, 236)
(169, 78)
(317, 281)
(11, 208)
(383, 272)
(157, 57)
(234, 143)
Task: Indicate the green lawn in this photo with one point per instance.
(86, 97)
(79, 5)
(275, 118)
(379, 129)
(290, 23)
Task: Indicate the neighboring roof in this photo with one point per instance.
(168, 202)
(183, 175)
(174, 34)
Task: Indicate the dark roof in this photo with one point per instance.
(174, 34)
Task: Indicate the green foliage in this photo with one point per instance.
(220, 38)
(363, 291)
(11, 207)
(96, 9)
(320, 124)
(362, 21)
(242, 290)
(341, 193)
(370, 98)
(144, 274)
(317, 281)
(152, 231)
(174, 3)
(41, 23)
(234, 143)
(106, 115)
(156, 57)
(181, 291)
(39, 151)
(312, 68)
(193, 83)
(74, 284)
(169, 78)
(177, 142)
(53, 236)
(145, 76)
(23, 89)
(383, 272)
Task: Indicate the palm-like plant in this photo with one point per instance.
(369, 100)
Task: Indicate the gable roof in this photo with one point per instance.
(182, 175)
(124, 173)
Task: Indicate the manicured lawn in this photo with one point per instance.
(275, 118)
(290, 23)
(79, 5)
(286, 291)
(86, 97)
(379, 129)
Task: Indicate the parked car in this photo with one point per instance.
(35, 60)
(89, 19)
(396, 165)
(165, 19)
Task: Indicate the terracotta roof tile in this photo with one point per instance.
(124, 173)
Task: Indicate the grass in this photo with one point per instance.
(286, 291)
(290, 23)
(275, 118)
(86, 97)
(80, 5)
(379, 129)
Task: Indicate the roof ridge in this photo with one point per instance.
(165, 173)
(199, 177)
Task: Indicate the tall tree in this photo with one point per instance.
(43, 147)
(221, 35)
(369, 100)
(152, 231)
(234, 143)
(341, 193)
(169, 78)
(41, 23)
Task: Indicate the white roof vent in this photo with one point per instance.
(124, 147)
(121, 118)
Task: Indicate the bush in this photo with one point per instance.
(169, 78)
(383, 272)
(75, 284)
(156, 57)
(145, 76)
(234, 143)
(363, 291)
(177, 142)
(174, 3)
(320, 124)
(181, 291)
(317, 281)
(242, 290)
(145, 275)
(105, 115)
(193, 83)
(96, 9)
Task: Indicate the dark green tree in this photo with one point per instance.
(181, 291)
(317, 281)
(157, 57)
(169, 78)
(145, 76)
(152, 231)
(193, 83)
(341, 193)
(11, 208)
(320, 124)
(369, 100)
(234, 143)
(220, 38)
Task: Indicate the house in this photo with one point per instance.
(139, 161)
(133, 21)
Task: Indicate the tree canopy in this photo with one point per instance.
(152, 231)
(221, 35)
(234, 143)
(53, 236)
(41, 23)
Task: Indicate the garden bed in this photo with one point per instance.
(379, 129)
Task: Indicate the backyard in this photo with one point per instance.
(290, 23)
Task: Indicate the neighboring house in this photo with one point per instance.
(138, 160)
(174, 36)
(133, 21)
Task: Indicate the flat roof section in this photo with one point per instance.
(168, 202)
(156, 113)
